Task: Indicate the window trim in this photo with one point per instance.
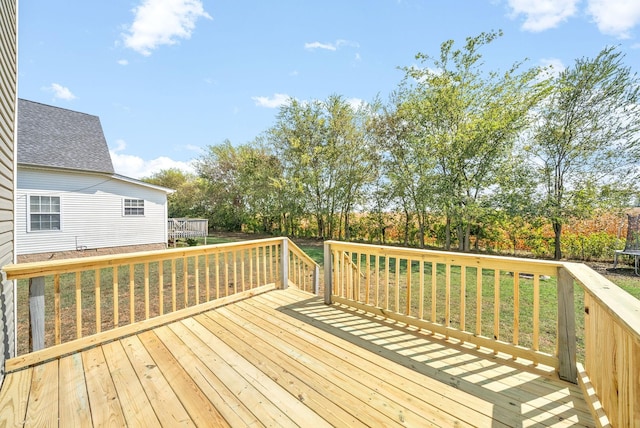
(137, 207)
(28, 202)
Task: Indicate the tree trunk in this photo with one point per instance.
(421, 226)
(406, 228)
(460, 235)
(347, 233)
(447, 233)
(557, 230)
(467, 238)
(320, 226)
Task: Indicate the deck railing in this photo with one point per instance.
(65, 300)
(612, 347)
(183, 228)
(304, 272)
(519, 307)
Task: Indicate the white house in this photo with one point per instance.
(68, 196)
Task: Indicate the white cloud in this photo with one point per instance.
(136, 167)
(553, 67)
(349, 43)
(120, 146)
(274, 102)
(193, 148)
(318, 45)
(356, 103)
(331, 46)
(123, 62)
(162, 22)
(542, 15)
(60, 92)
(615, 17)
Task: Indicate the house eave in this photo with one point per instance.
(111, 175)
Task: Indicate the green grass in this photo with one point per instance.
(315, 252)
(629, 284)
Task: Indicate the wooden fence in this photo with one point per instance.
(496, 303)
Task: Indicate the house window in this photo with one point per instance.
(44, 213)
(134, 207)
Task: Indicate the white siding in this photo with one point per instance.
(91, 211)
(8, 90)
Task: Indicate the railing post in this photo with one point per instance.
(328, 277)
(566, 328)
(316, 279)
(36, 313)
(284, 263)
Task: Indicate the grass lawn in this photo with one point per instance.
(630, 284)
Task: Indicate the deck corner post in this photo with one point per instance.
(566, 350)
(328, 269)
(316, 279)
(284, 263)
(36, 313)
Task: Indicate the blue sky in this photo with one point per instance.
(169, 77)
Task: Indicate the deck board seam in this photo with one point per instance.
(439, 374)
(346, 368)
(237, 331)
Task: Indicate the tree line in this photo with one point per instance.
(456, 151)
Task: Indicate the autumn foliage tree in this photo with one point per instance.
(586, 140)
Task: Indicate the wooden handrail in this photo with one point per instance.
(382, 284)
(73, 298)
(303, 270)
(50, 267)
(612, 346)
(612, 316)
(299, 253)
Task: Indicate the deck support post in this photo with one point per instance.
(566, 328)
(284, 263)
(316, 279)
(36, 313)
(328, 277)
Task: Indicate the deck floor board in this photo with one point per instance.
(283, 358)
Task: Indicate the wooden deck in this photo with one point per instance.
(283, 358)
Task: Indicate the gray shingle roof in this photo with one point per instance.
(56, 137)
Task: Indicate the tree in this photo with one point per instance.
(513, 206)
(259, 172)
(242, 186)
(586, 140)
(188, 198)
(465, 120)
(408, 166)
(321, 147)
(218, 167)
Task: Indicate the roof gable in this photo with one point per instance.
(60, 138)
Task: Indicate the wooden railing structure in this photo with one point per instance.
(503, 305)
(184, 228)
(92, 299)
(304, 272)
(495, 303)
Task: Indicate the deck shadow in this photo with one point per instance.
(528, 395)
